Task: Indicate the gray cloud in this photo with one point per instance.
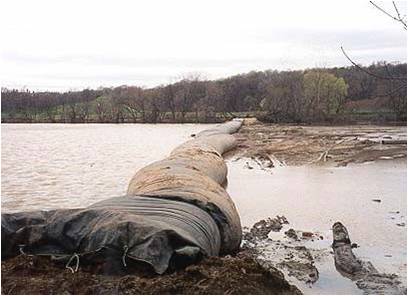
(228, 42)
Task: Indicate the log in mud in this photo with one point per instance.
(176, 212)
(366, 276)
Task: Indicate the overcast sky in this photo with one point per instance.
(69, 44)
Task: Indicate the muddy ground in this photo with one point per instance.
(287, 145)
(294, 255)
(239, 274)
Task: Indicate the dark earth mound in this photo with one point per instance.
(238, 274)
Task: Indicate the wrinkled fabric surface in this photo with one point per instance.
(141, 228)
(195, 172)
(175, 209)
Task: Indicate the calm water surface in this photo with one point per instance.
(48, 166)
(313, 198)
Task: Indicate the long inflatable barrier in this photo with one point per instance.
(176, 210)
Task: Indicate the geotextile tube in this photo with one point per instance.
(176, 211)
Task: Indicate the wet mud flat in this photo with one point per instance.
(273, 145)
(296, 255)
(239, 274)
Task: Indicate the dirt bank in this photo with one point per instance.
(279, 145)
(226, 275)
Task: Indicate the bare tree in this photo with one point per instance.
(396, 17)
(396, 84)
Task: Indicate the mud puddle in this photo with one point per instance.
(369, 198)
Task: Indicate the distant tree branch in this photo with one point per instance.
(397, 18)
(371, 73)
(388, 70)
(391, 92)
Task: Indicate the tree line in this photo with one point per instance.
(312, 95)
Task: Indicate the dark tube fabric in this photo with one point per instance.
(147, 229)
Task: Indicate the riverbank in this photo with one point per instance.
(351, 117)
(238, 274)
(273, 145)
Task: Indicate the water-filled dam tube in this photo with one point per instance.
(175, 210)
(194, 173)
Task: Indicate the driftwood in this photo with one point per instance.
(325, 154)
(363, 273)
(345, 260)
(393, 142)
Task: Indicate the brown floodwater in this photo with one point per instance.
(46, 166)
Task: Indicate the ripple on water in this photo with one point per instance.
(47, 166)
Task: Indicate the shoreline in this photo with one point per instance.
(274, 145)
(239, 274)
(220, 120)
